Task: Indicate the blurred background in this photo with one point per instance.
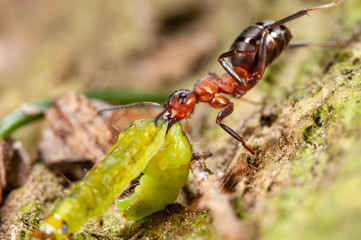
(48, 48)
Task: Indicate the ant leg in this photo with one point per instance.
(251, 101)
(261, 58)
(229, 69)
(226, 111)
(301, 13)
(262, 52)
(297, 44)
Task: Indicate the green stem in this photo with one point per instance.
(19, 118)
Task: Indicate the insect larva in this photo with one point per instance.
(166, 172)
(142, 147)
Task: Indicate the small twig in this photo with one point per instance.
(226, 221)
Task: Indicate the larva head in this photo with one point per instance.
(51, 228)
(38, 234)
(178, 106)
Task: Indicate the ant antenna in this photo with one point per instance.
(159, 116)
(138, 104)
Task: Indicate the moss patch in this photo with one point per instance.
(174, 222)
(320, 202)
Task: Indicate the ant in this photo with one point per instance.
(254, 49)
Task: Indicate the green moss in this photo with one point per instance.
(238, 207)
(175, 222)
(317, 205)
(343, 55)
(313, 133)
(319, 213)
(297, 95)
(30, 207)
(302, 166)
(201, 227)
(29, 219)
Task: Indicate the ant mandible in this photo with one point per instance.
(254, 49)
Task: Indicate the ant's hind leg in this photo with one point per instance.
(226, 111)
(301, 13)
(261, 58)
(297, 44)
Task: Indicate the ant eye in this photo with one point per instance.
(182, 98)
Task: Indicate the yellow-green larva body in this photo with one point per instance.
(165, 173)
(142, 147)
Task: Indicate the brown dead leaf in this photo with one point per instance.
(76, 136)
(14, 165)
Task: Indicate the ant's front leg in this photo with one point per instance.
(261, 58)
(226, 111)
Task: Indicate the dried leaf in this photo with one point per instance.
(76, 135)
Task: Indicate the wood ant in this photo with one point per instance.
(254, 49)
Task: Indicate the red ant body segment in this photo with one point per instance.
(254, 49)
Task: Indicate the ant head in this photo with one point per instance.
(178, 106)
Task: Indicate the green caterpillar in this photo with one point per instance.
(163, 157)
